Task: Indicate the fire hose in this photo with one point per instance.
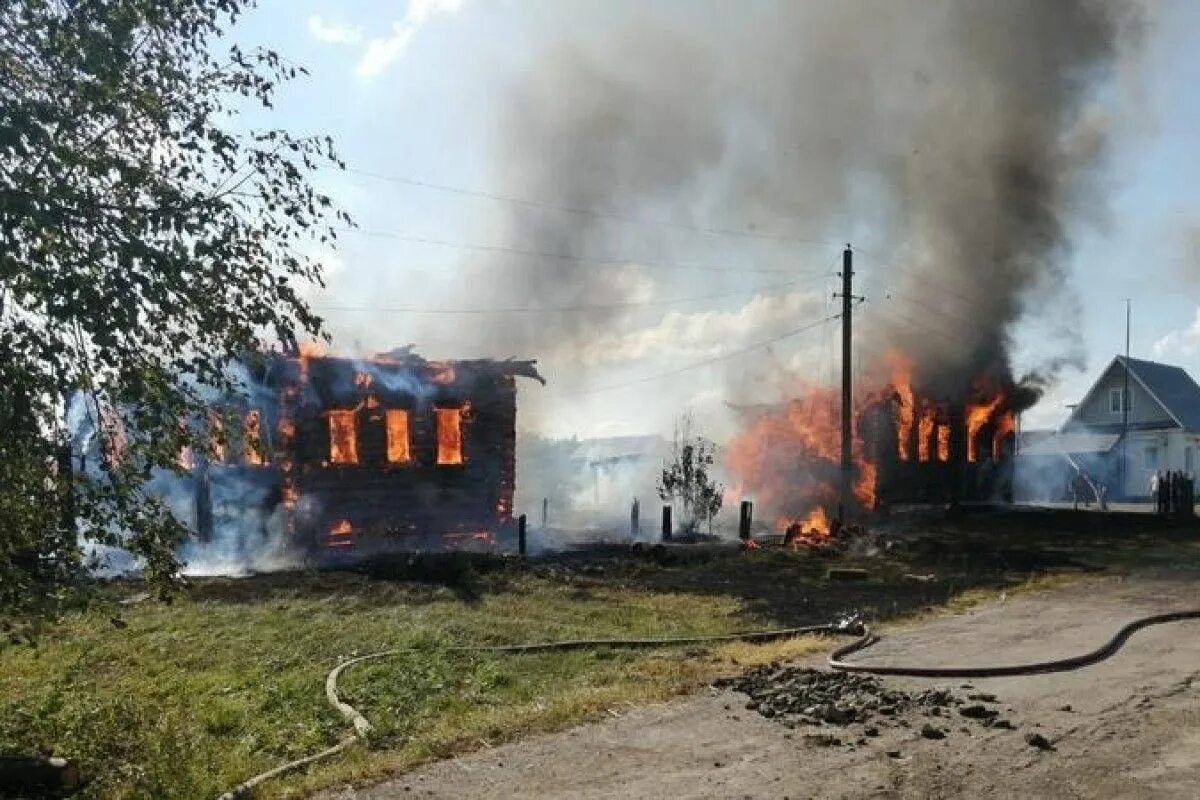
(362, 727)
(852, 625)
(837, 658)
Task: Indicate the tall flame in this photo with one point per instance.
(977, 416)
(925, 433)
(789, 458)
(253, 433)
(449, 435)
(905, 412)
(398, 451)
(343, 441)
(943, 442)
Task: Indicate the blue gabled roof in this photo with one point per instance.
(1170, 386)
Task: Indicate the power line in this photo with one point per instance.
(556, 309)
(591, 212)
(889, 292)
(698, 364)
(936, 285)
(921, 323)
(562, 256)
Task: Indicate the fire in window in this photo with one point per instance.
(449, 436)
(253, 437)
(343, 442)
(397, 436)
(925, 433)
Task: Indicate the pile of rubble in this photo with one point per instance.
(796, 696)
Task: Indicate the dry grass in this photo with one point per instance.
(186, 700)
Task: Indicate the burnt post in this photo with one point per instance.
(634, 521)
(545, 511)
(666, 524)
(958, 453)
(745, 517)
(66, 478)
(521, 534)
(203, 498)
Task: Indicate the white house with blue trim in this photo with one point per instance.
(1161, 433)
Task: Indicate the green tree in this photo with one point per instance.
(686, 479)
(148, 237)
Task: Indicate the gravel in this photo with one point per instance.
(802, 696)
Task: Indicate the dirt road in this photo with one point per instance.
(1126, 728)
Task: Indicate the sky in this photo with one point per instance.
(418, 96)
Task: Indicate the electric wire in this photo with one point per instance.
(508, 250)
(697, 364)
(599, 213)
(557, 309)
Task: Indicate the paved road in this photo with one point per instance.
(1132, 729)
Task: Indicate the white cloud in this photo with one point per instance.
(1184, 342)
(333, 32)
(702, 334)
(382, 51)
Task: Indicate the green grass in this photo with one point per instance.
(186, 700)
(189, 699)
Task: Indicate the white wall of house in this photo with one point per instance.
(1149, 452)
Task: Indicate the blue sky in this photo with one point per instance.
(410, 90)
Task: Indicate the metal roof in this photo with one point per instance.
(1072, 443)
(1172, 387)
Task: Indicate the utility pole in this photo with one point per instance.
(1125, 406)
(847, 295)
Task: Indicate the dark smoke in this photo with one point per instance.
(958, 140)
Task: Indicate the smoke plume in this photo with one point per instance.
(957, 140)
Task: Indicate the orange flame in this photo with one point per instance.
(362, 381)
(341, 528)
(812, 531)
(396, 420)
(977, 416)
(902, 384)
(216, 425)
(817, 522)
(253, 437)
(943, 442)
(789, 457)
(925, 434)
(308, 351)
(449, 436)
(343, 441)
(312, 350)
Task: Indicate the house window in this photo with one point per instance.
(343, 437)
(1114, 401)
(252, 444)
(1151, 458)
(449, 436)
(398, 451)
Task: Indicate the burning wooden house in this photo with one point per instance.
(909, 445)
(393, 450)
